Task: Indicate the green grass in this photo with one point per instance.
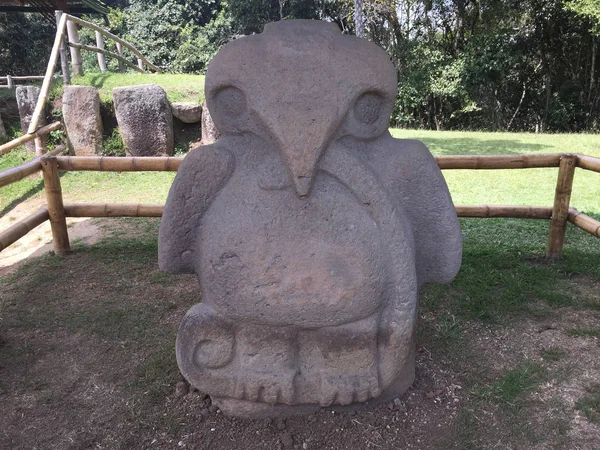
(513, 187)
(590, 404)
(552, 354)
(179, 87)
(584, 332)
(511, 388)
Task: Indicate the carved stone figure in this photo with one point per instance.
(309, 227)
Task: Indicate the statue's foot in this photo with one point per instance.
(266, 387)
(339, 364)
(343, 388)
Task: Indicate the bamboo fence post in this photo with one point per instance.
(100, 45)
(120, 53)
(9, 82)
(56, 210)
(40, 146)
(560, 210)
(64, 59)
(75, 52)
(41, 103)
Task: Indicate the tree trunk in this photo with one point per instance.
(593, 69)
(359, 18)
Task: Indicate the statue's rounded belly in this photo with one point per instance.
(304, 282)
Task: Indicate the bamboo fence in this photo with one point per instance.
(57, 212)
(67, 25)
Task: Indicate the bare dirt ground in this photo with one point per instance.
(87, 362)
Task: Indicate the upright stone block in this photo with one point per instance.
(81, 114)
(309, 227)
(210, 133)
(145, 119)
(27, 97)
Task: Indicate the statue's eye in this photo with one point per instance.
(231, 101)
(368, 107)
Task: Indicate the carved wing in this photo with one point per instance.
(202, 174)
(422, 191)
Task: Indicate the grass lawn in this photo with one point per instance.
(507, 356)
(179, 87)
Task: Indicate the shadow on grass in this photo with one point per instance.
(474, 146)
(39, 186)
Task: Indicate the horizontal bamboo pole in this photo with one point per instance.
(584, 222)
(43, 97)
(150, 210)
(20, 229)
(15, 174)
(507, 211)
(113, 210)
(23, 78)
(588, 163)
(120, 163)
(5, 148)
(498, 161)
(134, 50)
(106, 53)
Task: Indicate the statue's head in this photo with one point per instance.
(300, 95)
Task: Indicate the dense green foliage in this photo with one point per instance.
(508, 65)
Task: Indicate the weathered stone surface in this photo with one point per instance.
(3, 135)
(81, 114)
(27, 97)
(188, 112)
(210, 133)
(309, 227)
(145, 119)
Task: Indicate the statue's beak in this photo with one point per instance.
(302, 135)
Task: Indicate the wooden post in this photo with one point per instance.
(56, 210)
(120, 53)
(140, 64)
(100, 44)
(40, 146)
(9, 82)
(560, 210)
(75, 52)
(64, 59)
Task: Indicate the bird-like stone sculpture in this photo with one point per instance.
(309, 227)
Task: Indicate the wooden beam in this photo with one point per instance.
(41, 103)
(56, 210)
(5, 148)
(113, 210)
(588, 163)
(21, 228)
(100, 45)
(15, 174)
(109, 35)
(107, 53)
(507, 211)
(73, 35)
(120, 163)
(498, 161)
(584, 222)
(64, 59)
(560, 210)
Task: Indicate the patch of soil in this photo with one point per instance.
(87, 361)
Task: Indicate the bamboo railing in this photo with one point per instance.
(57, 212)
(68, 24)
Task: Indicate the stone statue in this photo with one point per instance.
(309, 227)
